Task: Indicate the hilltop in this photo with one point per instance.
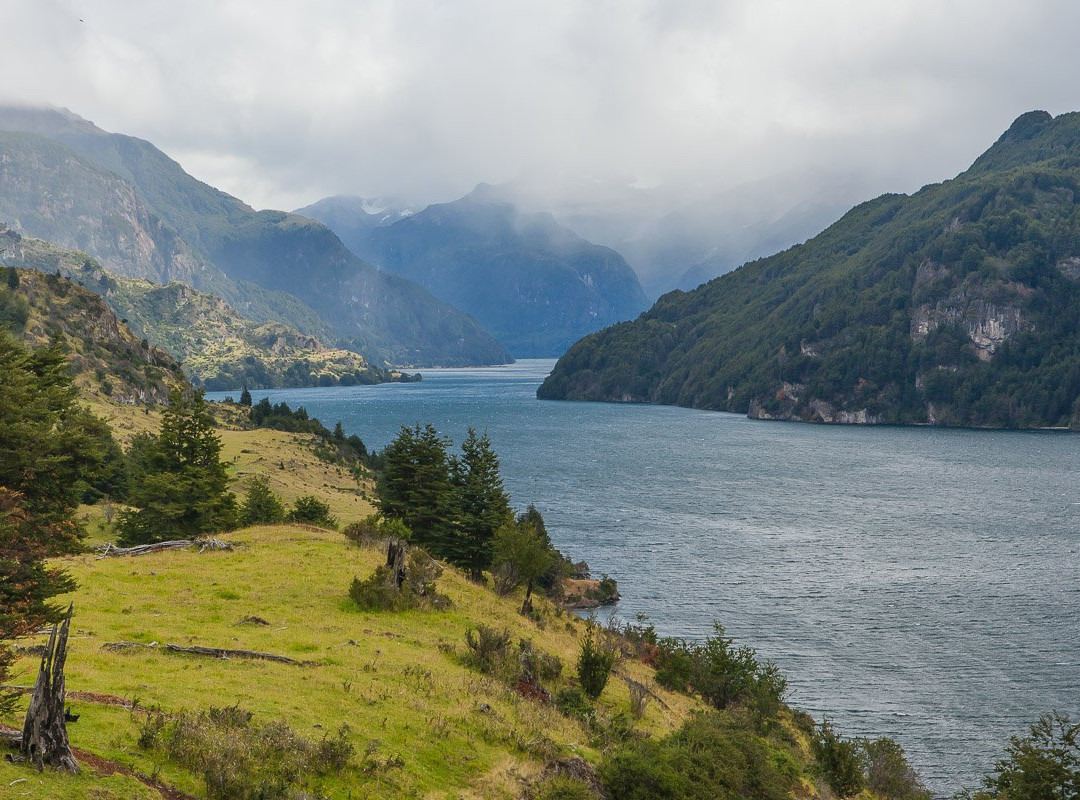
(958, 305)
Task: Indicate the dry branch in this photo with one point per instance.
(44, 735)
(157, 547)
(213, 652)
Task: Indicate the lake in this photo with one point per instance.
(917, 583)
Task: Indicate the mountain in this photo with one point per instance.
(107, 359)
(957, 305)
(532, 282)
(353, 218)
(219, 349)
(129, 205)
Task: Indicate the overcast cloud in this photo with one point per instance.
(282, 103)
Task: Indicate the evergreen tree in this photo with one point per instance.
(261, 505)
(245, 397)
(416, 487)
(183, 490)
(482, 504)
(48, 445)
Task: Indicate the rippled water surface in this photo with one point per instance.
(916, 583)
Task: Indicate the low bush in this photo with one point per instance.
(595, 662)
(712, 755)
(487, 649)
(839, 760)
(240, 759)
(310, 510)
(574, 703)
(563, 787)
(380, 590)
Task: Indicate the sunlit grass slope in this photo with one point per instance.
(395, 679)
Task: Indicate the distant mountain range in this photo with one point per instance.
(957, 305)
(134, 209)
(535, 284)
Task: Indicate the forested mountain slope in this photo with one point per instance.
(957, 305)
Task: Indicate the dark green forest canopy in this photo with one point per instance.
(957, 305)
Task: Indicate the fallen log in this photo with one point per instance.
(110, 549)
(213, 652)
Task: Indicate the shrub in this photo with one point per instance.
(888, 773)
(595, 662)
(380, 591)
(838, 760)
(573, 702)
(312, 511)
(243, 760)
(487, 649)
(710, 756)
(1043, 764)
(261, 505)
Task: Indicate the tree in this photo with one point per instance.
(482, 504)
(520, 556)
(47, 445)
(1044, 765)
(245, 397)
(183, 489)
(416, 487)
(595, 661)
(261, 505)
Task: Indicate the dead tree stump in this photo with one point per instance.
(395, 561)
(44, 738)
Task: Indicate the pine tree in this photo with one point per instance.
(261, 505)
(183, 489)
(245, 397)
(416, 486)
(482, 504)
(48, 444)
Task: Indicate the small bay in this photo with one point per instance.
(918, 583)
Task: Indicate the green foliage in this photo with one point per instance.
(521, 555)
(245, 397)
(482, 504)
(487, 649)
(573, 702)
(888, 773)
(595, 661)
(337, 449)
(1043, 765)
(178, 480)
(721, 673)
(240, 759)
(310, 510)
(711, 756)
(381, 591)
(416, 487)
(261, 506)
(879, 313)
(838, 760)
(50, 450)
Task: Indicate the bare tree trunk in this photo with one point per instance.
(44, 738)
(395, 560)
(527, 606)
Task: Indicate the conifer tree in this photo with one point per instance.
(245, 397)
(183, 489)
(416, 486)
(48, 445)
(261, 505)
(482, 504)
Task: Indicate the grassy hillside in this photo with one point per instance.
(958, 305)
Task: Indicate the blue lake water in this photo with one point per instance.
(921, 583)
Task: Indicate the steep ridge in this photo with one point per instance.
(219, 348)
(388, 319)
(958, 305)
(533, 283)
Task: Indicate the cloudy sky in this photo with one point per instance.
(282, 103)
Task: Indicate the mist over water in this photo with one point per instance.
(921, 583)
